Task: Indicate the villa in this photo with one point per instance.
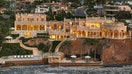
(55, 7)
(111, 10)
(30, 25)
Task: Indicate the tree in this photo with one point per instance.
(92, 42)
(60, 16)
(101, 1)
(50, 15)
(123, 15)
(43, 47)
(3, 2)
(66, 44)
(1, 38)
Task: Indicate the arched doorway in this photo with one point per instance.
(122, 33)
(42, 27)
(89, 34)
(109, 33)
(103, 32)
(36, 27)
(68, 36)
(30, 27)
(57, 37)
(83, 34)
(18, 27)
(51, 26)
(65, 36)
(92, 34)
(59, 26)
(24, 27)
(61, 36)
(55, 27)
(78, 33)
(116, 33)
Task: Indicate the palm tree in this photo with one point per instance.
(92, 42)
(87, 41)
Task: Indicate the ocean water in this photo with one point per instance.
(45, 69)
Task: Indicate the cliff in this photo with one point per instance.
(119, 52)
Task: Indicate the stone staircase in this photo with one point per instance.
(59, 45)
(33, 49)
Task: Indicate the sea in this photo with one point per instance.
(46, 69)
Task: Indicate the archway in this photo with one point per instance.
(24, 27)
(59, 26)
(78, 33)
(109, 33)
(28, 34)
(68, 36)
(83, 34)
(116, 32)
(92, 34)
(18, 27)
(89, 34)
(57, 37)
(30, 27)
(65, 36)
(55, 27)
(42, 27)
(36, 27)
(51, 26)
(103, 33)
(122, 33)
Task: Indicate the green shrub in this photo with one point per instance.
(9, 49)
(14, 36)
(54, 44)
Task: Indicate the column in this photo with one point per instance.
(89, 34)
(119, 35)
(86, 32)
(130, 34)
(113, 35)
(81, 34)
(21, 27)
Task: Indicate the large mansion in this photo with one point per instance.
(30, 25)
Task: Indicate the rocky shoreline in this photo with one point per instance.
(46, 69)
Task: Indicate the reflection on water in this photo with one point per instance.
(45, 69)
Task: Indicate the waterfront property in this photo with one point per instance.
(29, 25)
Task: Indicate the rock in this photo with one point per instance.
(118, 53)
(36, 41)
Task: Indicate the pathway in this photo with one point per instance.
(35, 50)
(59, 45)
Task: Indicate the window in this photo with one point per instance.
(42, 27)
(94, 25)
(41, 9)
(42, 19)
(18, 27)
(30, 19)
(19, 19)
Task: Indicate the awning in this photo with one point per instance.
(73, 56)
(87, 57)
(8, 37)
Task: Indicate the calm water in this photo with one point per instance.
(44, 69)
